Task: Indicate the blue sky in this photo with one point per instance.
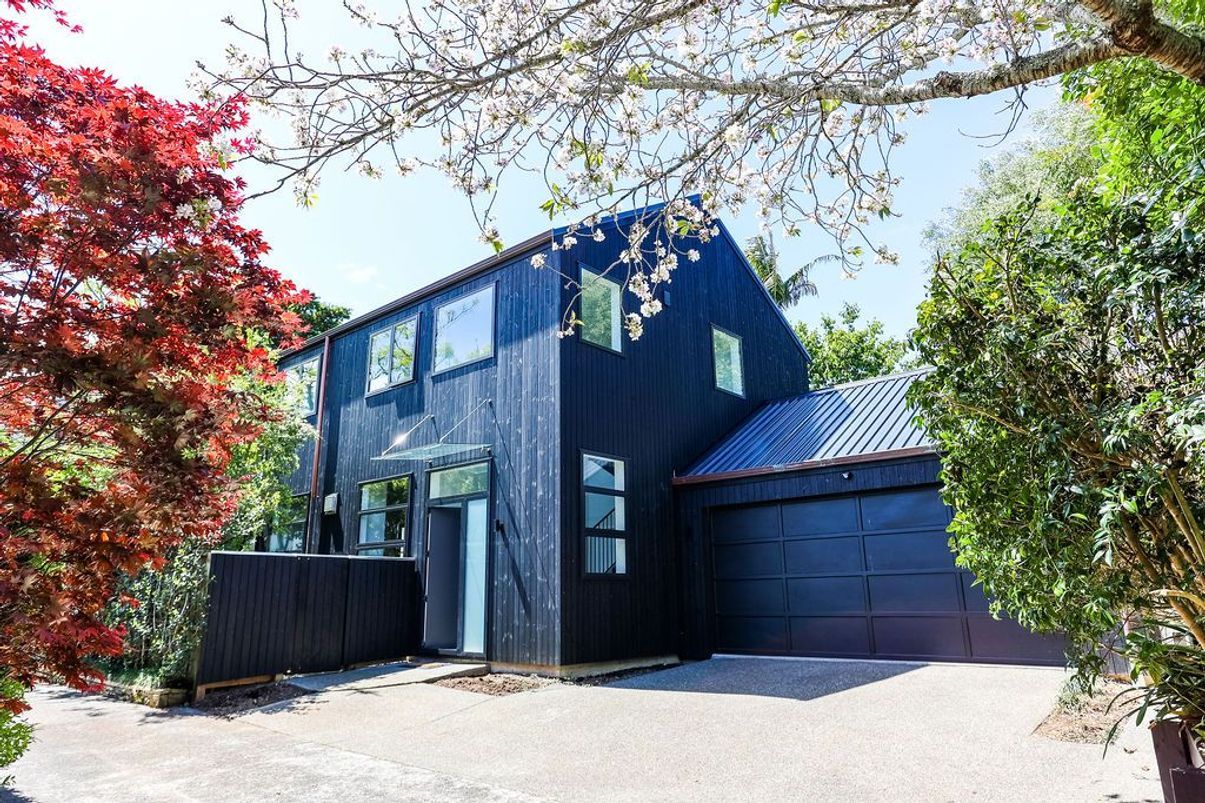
(367, 242)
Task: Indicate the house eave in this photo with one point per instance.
(807, 465)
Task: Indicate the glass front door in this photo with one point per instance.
(456, 568)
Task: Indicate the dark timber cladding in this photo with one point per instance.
(656, 406)
(520, 423)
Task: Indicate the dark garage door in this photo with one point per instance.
(869, 575)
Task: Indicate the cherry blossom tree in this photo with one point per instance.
(791, 106)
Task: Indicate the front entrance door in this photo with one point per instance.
(457, 563)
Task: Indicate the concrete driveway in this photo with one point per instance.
(725, 729)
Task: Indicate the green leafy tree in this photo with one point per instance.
(163, 612)
(846, 350)
(1068, 397)
(788, 290)
(317, 316)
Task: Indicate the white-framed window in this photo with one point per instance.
(604, 507)
(287, 533)
(464, 330)
(391, 355)
(384, 516)
(729, 367)
(302, 380)
(601, 310)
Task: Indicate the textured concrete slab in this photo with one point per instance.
(726, 729)
(399, 674)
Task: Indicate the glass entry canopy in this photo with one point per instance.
(456, 569)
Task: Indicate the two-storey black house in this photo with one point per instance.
(531, 475)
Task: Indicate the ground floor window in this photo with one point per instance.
(604, 506)
(384, 517)
(288, 525)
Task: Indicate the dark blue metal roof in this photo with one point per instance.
(868, 419)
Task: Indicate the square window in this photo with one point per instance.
(464, 330)
(302, 382)
(729, 370)
(459, 481)
(602, 472)
(384, 512)
(391, 355)
(606, 555)
(604, 512)
(288, 525)
(602, 310)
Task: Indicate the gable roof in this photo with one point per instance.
(531, 244)
(858, 421)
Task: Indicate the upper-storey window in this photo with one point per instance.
(391, 355)
(602, 310)
(302, 380)
(729, 370)
(464, 329)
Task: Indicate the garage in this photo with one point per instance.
(817, 529)
(865, 575)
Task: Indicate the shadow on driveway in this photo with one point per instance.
(760, 677)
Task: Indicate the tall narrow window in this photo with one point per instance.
(464, 330)
(604, 509)
(384, 515)
(729, 370)
(302, 381)
(602, 310)
(391, 355)
(288, 525)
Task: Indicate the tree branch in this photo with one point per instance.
(1134, 28)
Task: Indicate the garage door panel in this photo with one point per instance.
(903, 509)
(914, 592)
(752, 634)
(909, 551)
(1004, 639)
(823, 555)
(868, 575)
(749, 597)
(820, 517)
(745, 524)
(830, 635)
(748, 560)
(919, 636)
(976, 600)
(826, 595)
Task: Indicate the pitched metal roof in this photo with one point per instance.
(864, 420)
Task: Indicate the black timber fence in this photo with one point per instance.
(272, 614)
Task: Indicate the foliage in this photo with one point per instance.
(128, 373)
(786, 291)
(1044, 169)
(163, 612)
(15, 735)
(845, 350)
(1068, 397)
(795, 109)
(318, 317)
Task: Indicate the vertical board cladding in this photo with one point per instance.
(656, 406)
(509, 401)
(692, 503)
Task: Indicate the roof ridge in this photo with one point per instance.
(883, 378)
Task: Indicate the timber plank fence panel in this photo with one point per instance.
(270, 614)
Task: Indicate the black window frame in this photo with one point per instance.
(493, 288)
(740, 350)
(304, 518)
(583, 269)
(317, 361)
(624, 535)
(392, 329)
(403, 546)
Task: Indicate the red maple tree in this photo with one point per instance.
(129, 294)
